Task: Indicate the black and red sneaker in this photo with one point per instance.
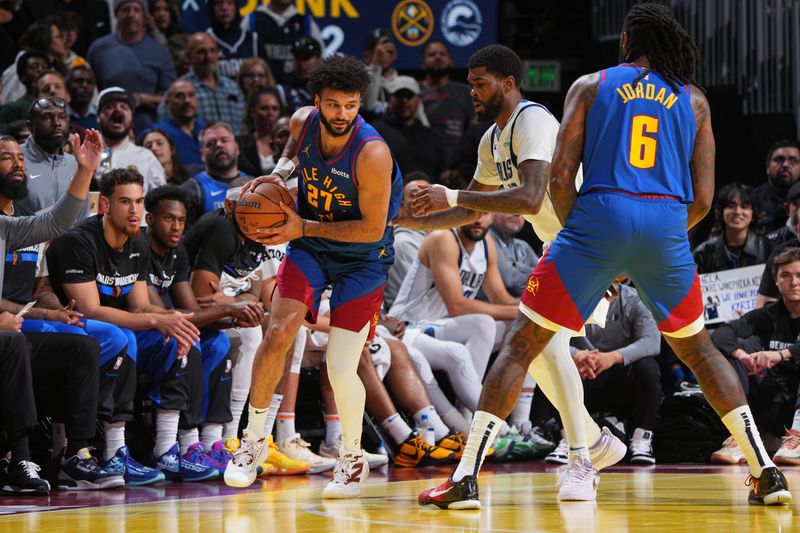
(770, 488)
(454, 495)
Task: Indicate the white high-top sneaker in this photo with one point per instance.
(579, 481)
(296, 448)
(242, 469)
(350, 471)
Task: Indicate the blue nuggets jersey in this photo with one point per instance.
(328, 189)
(639, 138)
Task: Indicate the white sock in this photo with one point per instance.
(439, 428)
(743, 428)
(256, 420)
(284, 427)
(397, 428)
(522, 410)
(342, 356)
(232, 428)
(333, 429)
(210, 433)
(481, 436)
(796, 421)
(115, 438)
(166, 430)
(187, 437)
(456, 422)
(59, 438)
(556, 374)
(261, 421)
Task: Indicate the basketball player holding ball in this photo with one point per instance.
(349, 188)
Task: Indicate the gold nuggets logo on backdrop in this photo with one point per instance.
(412, 22)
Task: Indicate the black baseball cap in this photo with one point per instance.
(306, 47)
(114, 94)
(376, 35)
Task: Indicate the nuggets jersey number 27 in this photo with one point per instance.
(657, 128)
(328, 188)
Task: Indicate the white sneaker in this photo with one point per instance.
(296, 448)
(579, 481)
(242, 469)
(375, 460)
(789, 452)
(642, 447)
(729, 454)
(607, 451)
(559, 455)
(348, 474)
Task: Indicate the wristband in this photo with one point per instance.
(284, 168)
(303, 228)
(452, 196)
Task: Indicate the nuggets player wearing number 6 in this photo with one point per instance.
(642, 131)
(349, 188)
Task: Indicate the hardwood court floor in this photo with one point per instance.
(515, 497)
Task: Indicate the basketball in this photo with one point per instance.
(260, 208)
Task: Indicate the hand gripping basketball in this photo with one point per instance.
(260, 209)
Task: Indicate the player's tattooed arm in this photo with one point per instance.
(569, 145)
(701, 165)
(523, 200)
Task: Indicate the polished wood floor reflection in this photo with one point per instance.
(516, 497)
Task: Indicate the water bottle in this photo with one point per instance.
(381, 450)
(427, 431)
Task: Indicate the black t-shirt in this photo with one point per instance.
(215, 244)
(168, 269)
(20, 267)
(83, 255)
(772, 324)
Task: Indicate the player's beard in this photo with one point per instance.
(332, 131)
(492, 108)
(469, 234)
(12, 190)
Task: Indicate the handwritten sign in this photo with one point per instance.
(729, 294)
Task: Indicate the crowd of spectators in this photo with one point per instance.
(184, 121)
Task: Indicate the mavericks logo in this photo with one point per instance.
(461, 22)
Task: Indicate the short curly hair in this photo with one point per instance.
(154, 198)
(119, 176)
(499, 60)
(340, 73)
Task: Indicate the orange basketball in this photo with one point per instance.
(260, 208)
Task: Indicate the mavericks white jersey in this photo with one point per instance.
(418, 300)
(530, 133)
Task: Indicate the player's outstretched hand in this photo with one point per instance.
(270, 178)
(87, 154)
(247, 314)
(292, 229)
(426, 199)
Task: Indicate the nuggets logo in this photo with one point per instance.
(533, 286)
(461, 22)
(412, 22)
